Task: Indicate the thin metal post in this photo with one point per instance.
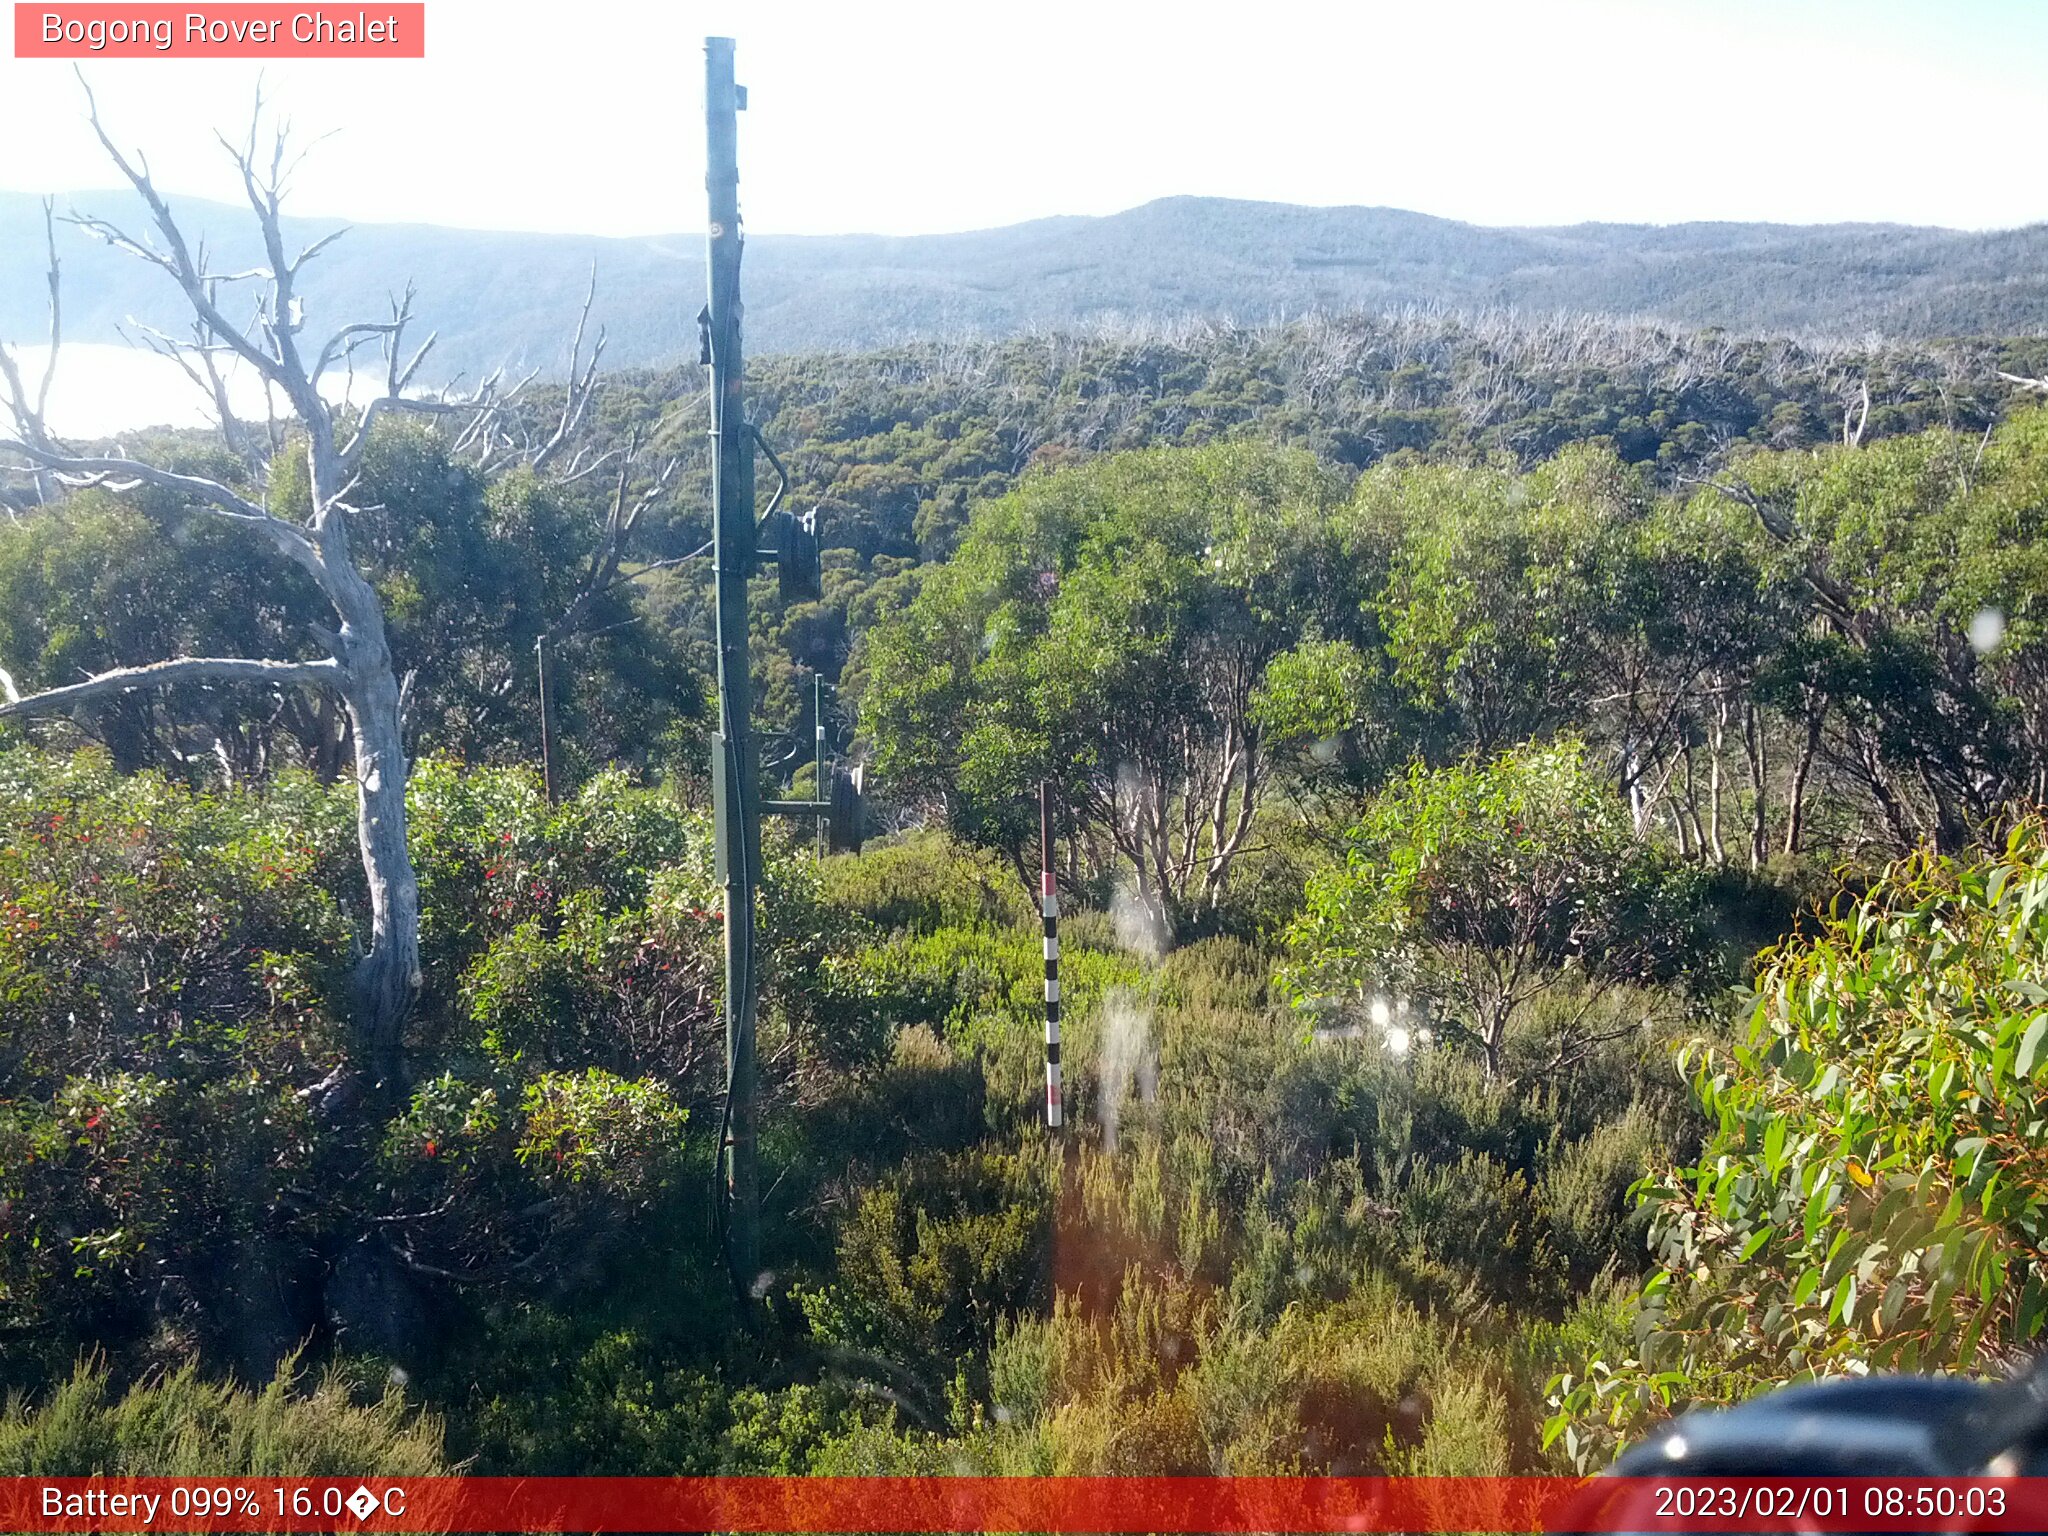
(819, 788)
(547, 724)
(735, 778)
(1049, 898)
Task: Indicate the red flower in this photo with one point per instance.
(430, 1149)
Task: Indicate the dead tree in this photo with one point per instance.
(357, 666)
(29, 410)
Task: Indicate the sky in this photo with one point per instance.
(902, 118)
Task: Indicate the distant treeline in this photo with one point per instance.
(502, 299)
(894, 446)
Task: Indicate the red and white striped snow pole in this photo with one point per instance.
(1049, 906)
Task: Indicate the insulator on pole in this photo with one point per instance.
(1049, 906)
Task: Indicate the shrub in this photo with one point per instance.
(932, 1261)
(925, 881)
(169, 963)
(182, 1425)
(1875, 1190)
(1471, 891)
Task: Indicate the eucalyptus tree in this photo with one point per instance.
(1916, 565)
(1481, 889)
(1108, 627)
(291, 488)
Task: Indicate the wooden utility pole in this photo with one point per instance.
(735, 776)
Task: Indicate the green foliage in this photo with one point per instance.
(96, 584)
(600, 1129)
(923, 882)
(1488, 604)
(173, 965)
(932, 1259)
(1925, 554)
(1103, 625)
(166, 962)
(1471, 891)
(1272, 707)
(471, 574)
(617, 1406)
(1873, 1194)
(1276, 1214)
(180, 1425)
(1310, 694)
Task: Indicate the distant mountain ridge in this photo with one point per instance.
(509, 299)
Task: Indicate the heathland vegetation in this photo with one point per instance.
(1550, 819)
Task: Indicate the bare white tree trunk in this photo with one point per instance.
(388, 975)
(1760, 781)
(358, 667)
(1715, 741)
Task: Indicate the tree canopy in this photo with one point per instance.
(1108, 628)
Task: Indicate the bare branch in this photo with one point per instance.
(343, 343)
(288, 539)
(581, 386)
(317, 246)
(1773, 517)
(400, 378)
(177, 259)
(56, 311)
(217, 495)
(157, 674)
(621, 519)
(361, 437)
(1852, 436)
(654, 566)
(578, 469)
(195, 359)
(29, 418)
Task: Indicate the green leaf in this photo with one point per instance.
(1774, 1143)
(1842, 1307)
(1966, 1153)
(1896, 1295)
(2029, 1056)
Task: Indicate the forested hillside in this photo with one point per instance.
(501, 299)
(894, 447)
(1511, 780)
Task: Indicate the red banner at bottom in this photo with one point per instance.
(1050, 1504)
